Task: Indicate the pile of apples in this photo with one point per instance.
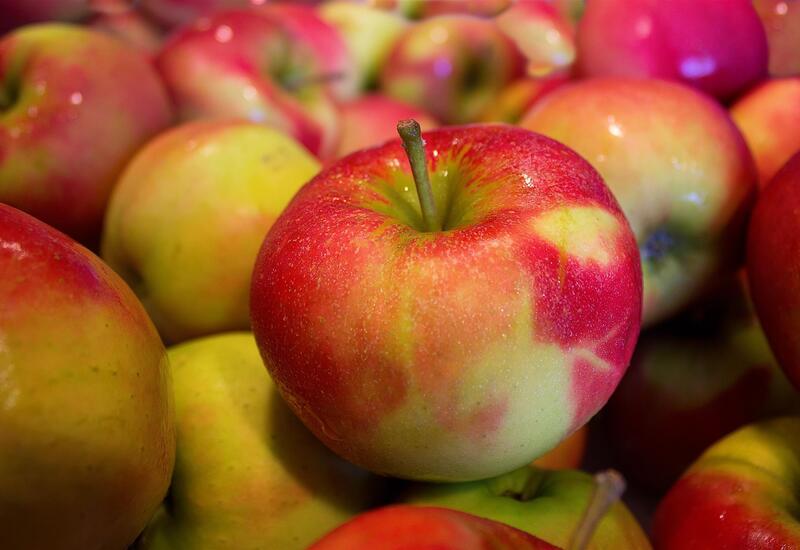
(415, 261)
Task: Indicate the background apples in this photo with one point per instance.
(417, 353)
(252, 64)
(739, 494)
(71, 119)
(16, 13)
(451, 66)
(781, 20)
(188, 215)
(678, 166)
(773, 253)
(86, 419)
(718, 47)
(248, 473)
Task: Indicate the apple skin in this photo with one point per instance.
(73, 122)
(405, 527)
(568, 454)
(452, 66)
(248, 474)
(128, 25)
(739, 494)
(459, 354)
(241, 64)
(678, 166)
(369, 33)
(231, 180)
(549, 504)
(773, 251)
(516, 99)
(543, 33)
(174, 13)
(781, 19)
(86, 422)
(710, 369)
(17, 13)
(717, 47)
(372, 120)
(769, 118)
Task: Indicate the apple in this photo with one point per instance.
(405, 527)
(717, 47)
(248, 474)
(459, 340)
(739, 494)
(549, 504)
(567, 455)
(769, 118)
(678, 166)
(781, 19)
(773, 251)
(71, 118)
(710, 369)
(188, 215)
(372, 120)
(519, 97)
(174, 13)
(451, 66)
(17, 13)
(86, 417)
(542, 33)
(251, 64)
(119, 19)
(369, 33)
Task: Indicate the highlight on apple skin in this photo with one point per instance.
(86, 423)
(456, 354)
(679, 168)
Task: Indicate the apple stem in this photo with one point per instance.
(609, 486)
(411, 134)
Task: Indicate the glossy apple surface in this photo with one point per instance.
(739, 494)
(250, 64)
(70, 120)
(456, 354)
(773, 252)
(769, 118)
(372, 120)
(451, 66)
(549, 504)
(403, 527)
(717, 47)
(710, 369)
(86, 419)
(191, 264)
(248, 474)
(676, 163)
(781, 20)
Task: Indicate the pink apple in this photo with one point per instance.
(372, 120)
(461, 340)
(769, 118)
(76, 105)
(717, 46)
(773, 256)
(781, 20)
(710, 369)
(452, 66)
(86, 412)
(678, 166)
(418, 527)
(253, 64)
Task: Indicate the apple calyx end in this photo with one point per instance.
(411, 135)
(609, 486)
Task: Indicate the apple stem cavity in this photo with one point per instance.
(411, 134)
(609, 486)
